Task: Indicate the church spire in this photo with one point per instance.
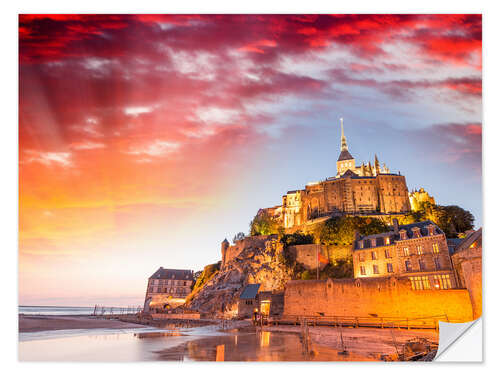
(343, 141)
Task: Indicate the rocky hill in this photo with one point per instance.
(256, 263)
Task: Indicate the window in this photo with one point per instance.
(387, 240)
(435, 248)
(360, 244)
(437, 263)
(374, 242)
(387, 254)
(362, 270)
(375, 269)
(389, 268)
(374, 255)
(406, 251)
(420, 282)
(419, 250)
(421, 264)
(361, 257)
(442, 281)
(408, 265)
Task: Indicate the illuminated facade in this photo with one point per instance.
(168, 288)
(416, 251)
(363, 189)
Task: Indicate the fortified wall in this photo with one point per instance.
(307, 255)
(230, 252)
(391, 298)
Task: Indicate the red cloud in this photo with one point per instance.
(455, 38)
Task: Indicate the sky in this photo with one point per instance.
(145, 140)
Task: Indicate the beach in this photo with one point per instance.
(37, 323)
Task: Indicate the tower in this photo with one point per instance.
(345, 161)
(223, 248)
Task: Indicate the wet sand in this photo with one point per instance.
(37, 323)
(365, 342)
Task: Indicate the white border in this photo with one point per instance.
(491, 136)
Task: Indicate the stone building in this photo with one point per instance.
(266, 303)
(467, 261)
(418, 252)
(364, 189)
(419, 197)
(168, 288)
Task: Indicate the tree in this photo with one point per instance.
(238, 237)
(341, 230)
(453, 220)
(263, 224)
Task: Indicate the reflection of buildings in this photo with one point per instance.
(168, 288)
(362, 189)
(417, 251)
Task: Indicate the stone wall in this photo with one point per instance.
(468, 265)
(231, 252)
(306, 255)
(374, 297)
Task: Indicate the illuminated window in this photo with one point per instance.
(420, 282)
(408, 266)
(406, 251)
(387, 254)
(361, 243)
(442, 282)
(362, 270)
(435, 248)
(389, 268)
(374, 255)
(375, 269)
(387, 240)
(419, 249)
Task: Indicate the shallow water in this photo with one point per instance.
(199, 344)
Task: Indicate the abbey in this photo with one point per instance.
(363, 189)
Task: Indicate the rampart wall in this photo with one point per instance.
(375, 297)
(307, 255)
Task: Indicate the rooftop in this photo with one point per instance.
(165, 273)
(250, 291)
(345, 155)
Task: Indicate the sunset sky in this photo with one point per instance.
(145, 140)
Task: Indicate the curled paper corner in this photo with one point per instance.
(460, 342)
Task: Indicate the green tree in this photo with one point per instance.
(453, 220)
(263, 224)
(341, 230)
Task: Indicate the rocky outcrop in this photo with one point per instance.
(258, 263)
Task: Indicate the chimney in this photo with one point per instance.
(395, 224)
(416, 232)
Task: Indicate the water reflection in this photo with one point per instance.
(259, 346)
(182, 346)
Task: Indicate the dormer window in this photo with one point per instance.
(402, 234)
(374, 242)
(387, 241)
(360, 244)
(416, 232)
(431, 230)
